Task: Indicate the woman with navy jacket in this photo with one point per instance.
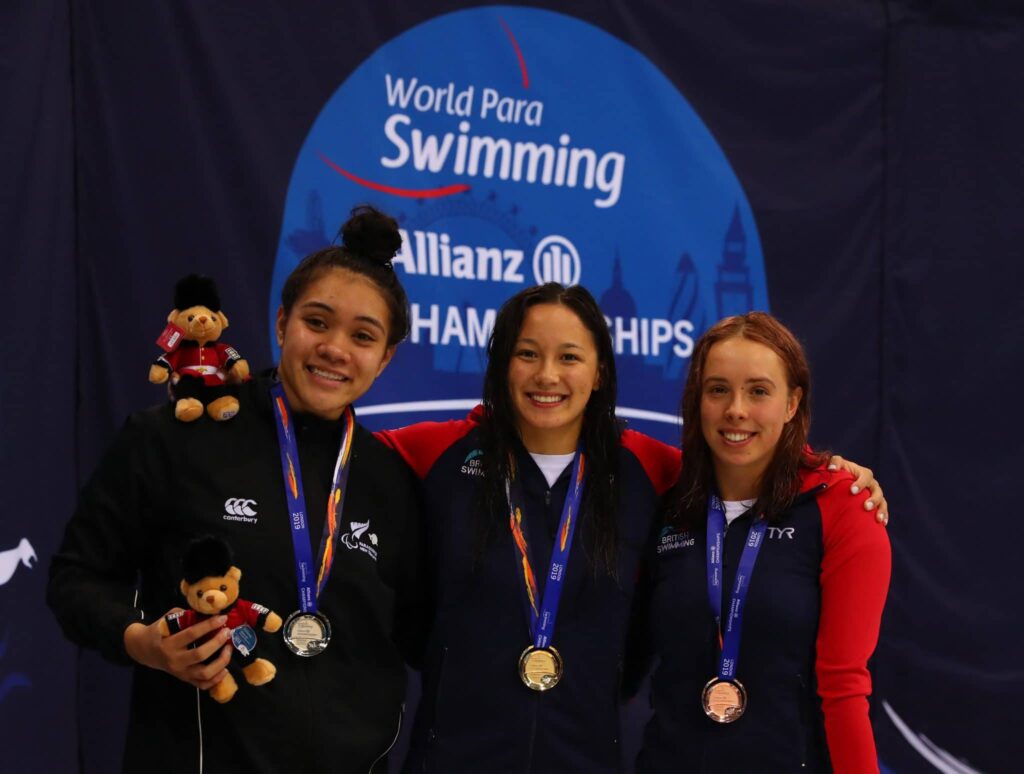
(539, 508)
(767, 584)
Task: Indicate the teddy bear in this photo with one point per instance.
(199, 367)
(210, 584)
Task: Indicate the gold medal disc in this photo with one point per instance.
(724, 700)
(540, 669)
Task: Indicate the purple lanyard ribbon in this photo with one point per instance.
(729, 638)
(311, 583)
(542, 621)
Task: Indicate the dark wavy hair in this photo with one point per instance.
(780, 483)
(600, 434)
(369, 240)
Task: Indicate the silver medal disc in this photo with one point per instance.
(306, 634)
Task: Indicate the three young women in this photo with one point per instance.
(525, 653)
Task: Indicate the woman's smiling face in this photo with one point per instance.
(333, 343)
(552, 373)
(745, 404)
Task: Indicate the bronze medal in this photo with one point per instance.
(724, 700)
(306, 634)
(540, 669)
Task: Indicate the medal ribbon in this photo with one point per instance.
(729, 638)
(310, 584)
(542, 621)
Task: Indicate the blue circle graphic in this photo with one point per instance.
(515, 146)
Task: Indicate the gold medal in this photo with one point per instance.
(540, 669)
(724, 700)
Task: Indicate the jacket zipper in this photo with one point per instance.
(394, 740)
(533, 734)
(199, 726)
(802, 735)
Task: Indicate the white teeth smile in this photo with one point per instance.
(547, 398)
(326, 374)
(737, 437)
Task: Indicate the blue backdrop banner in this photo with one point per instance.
(519, 146)
(853, 167)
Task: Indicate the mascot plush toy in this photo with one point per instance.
(198, 366)
(211, 587)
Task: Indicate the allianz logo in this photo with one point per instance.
(240, 509)
(433, 254)
(473, 465)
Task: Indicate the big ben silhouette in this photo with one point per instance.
(733, 293)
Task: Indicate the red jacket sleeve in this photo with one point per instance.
(855, 571)
(421, 444)
(660, 461)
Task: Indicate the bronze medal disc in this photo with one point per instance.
(724, 700)
(306, 634)
(540, 669)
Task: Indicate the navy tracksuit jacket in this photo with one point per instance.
(475, 714)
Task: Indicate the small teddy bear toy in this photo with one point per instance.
(199, 367)
(210, 585)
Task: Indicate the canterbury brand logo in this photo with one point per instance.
(240, 509)
(238, 506)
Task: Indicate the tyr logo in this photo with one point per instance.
(780, 532)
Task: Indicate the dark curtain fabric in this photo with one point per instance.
(878, 146)
(952, 342)
(38, 381)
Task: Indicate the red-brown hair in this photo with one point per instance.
(781, 480)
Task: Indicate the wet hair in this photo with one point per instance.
(205, 557)
(369, 241)
(600, 433)
(780, 483)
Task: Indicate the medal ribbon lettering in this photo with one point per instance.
(542, 621)
(729, 637)
(310, 583)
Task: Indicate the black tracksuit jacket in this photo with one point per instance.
(163, 483)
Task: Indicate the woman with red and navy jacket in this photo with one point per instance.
(766, 584)
(525, 655)
(549, 390)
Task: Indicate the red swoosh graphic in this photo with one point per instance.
(409, 193)
(519, 53)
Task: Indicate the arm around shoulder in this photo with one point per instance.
(855, 571)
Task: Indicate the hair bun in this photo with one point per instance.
(371, 234)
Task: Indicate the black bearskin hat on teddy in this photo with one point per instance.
(206, 557)
(196, 290)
